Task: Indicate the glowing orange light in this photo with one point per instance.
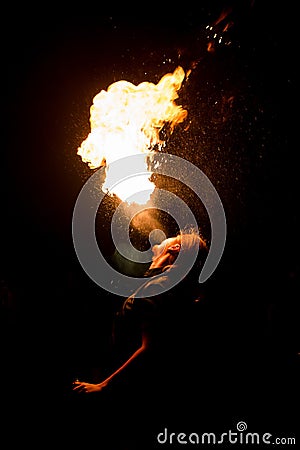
(126, 120)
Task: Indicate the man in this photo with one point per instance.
(155, 358)
(148, 323)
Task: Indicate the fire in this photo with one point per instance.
(126, 120)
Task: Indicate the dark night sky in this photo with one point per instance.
(241, 101)
(54, 68)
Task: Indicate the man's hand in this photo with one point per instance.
(82, 387)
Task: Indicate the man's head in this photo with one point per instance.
(165, 253)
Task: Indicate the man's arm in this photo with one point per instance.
(83, 387)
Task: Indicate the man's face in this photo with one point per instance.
(169, 245)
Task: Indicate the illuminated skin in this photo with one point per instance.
(164, 255)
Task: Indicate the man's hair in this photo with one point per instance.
(191, 242)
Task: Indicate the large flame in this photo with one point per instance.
(126, 120)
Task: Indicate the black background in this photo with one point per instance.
(242, 107)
